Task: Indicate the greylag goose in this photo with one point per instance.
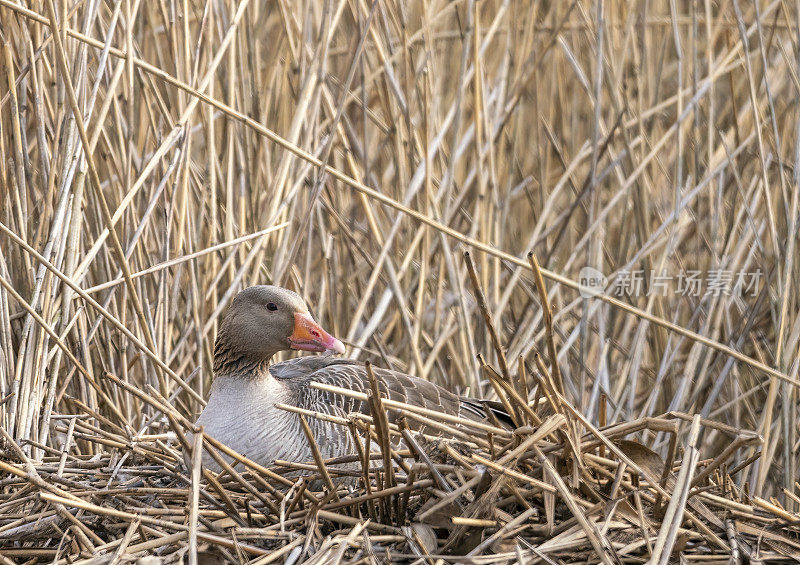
(241, 411)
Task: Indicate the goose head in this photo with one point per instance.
(263, 320)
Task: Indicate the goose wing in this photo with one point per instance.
(346, 373)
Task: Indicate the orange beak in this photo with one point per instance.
(309, 336)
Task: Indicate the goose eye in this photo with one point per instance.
(272, 306)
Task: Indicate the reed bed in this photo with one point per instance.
(555, 489)
(438, 179)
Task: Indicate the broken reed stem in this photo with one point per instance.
(547, 385)
(501, 388)
(194, 500)
(419, 453)
(487, 315)
(601, 419)
(547, 316)
(518, 405)
(674, 515)
(522, 380)
(381, 424)
(323, 470)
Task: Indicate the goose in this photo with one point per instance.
(241, 411)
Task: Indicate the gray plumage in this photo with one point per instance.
(298, 374)
(241, 408)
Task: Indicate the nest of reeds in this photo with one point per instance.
(550, 488)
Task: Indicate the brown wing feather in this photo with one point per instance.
(346, 373)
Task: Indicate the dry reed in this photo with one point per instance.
(156, 157)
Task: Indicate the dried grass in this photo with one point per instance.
(157, 156)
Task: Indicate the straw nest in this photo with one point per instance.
(556, 489)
